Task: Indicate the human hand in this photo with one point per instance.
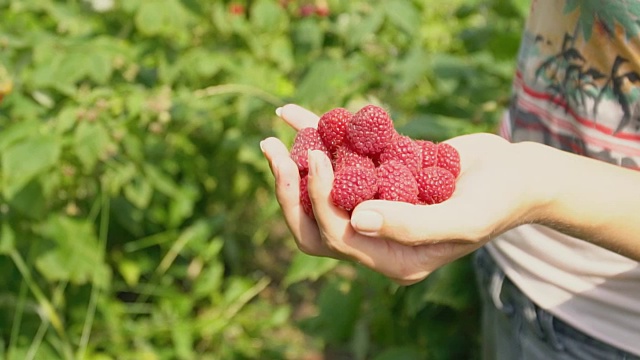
(403, 241)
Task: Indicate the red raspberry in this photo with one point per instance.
(435, 185)
(442, 155)
(332, 127)
(323, 11)
(306, 139)
(370, 130)
(305, 200)
(307, 10)
(353, 185)
(346, 156)
(236, 9)
(405, 150)
(448, 158)
(429, 153)
(396, 182)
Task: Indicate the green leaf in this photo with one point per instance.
(30, 201)
(98, 65)
(365, 28)
(7, 239)
(324, 83)
(116, 177)
(403, 14)
(281, 51)
(339, 309)
(183, 340)
(76, 256)
(165, 18)
(130, 271)
(266, 15)
(522, 6)
(452, 285)
(307, 35)
(305, 267)
(182, 205)
(17, 131)
(27, 159)
(199, 63)
(151, 18)
(139, 192)
(411, 69)
(91, 141)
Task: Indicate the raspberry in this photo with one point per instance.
(305, 200)
(332, 127)
(307, 10)
(429, 153)
(353, 185)
(236, 9)
(306, 139)
(396, 182)
(405, 150)
(323, 11)
(372, 161)
(441, 155)
(346, 156)
(370, 130)
(435, 185)
(448, 158)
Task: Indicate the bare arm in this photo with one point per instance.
(589, 199)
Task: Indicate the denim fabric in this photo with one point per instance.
(515, 328)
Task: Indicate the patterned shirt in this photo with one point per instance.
(577, 88)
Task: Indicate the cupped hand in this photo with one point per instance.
(407, 242)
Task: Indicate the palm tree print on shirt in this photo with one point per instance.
(571, 77)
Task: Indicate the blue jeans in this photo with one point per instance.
(514, 328)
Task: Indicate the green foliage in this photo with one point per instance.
(137, 218)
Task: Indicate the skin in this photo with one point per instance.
(501, 185)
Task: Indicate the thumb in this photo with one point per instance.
(413, 225)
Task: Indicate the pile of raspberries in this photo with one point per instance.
(371, 160)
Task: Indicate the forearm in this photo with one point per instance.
(586, 198)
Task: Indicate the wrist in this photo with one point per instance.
(541, 167)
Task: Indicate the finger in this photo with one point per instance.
(335, 225)
(333, 222)
(450, 221)
(287, 182)
(297, 116)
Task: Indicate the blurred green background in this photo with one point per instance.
(137, 215)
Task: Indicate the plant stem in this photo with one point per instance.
(95, 290)
(48, 311)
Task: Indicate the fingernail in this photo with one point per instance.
(367, 222)
(279, 112)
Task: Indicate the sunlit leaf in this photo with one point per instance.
(91, 142)
(139, 192)
(26, 159)
(305, 267)
(76, 256)
(7, 238)
(403, 14)
(267, 15)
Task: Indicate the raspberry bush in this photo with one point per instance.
(137, 216)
